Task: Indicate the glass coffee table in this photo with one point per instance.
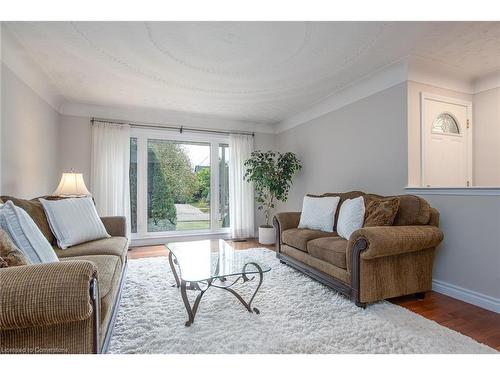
(200, 265)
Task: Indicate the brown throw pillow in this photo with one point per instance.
(10, 255)
(380, 211)
(35, 209)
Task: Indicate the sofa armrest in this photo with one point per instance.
(287, 220)
(46, 294)
(116, 226)
(394, 240)
(282, 222)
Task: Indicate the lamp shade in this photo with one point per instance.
(72, 184)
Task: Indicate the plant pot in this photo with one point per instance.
(267, 235)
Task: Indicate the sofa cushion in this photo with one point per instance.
(106, 266)
(298, 238)
(330, 249)
(318, 264)
(108, 246)
(35, 209)
(109, 271)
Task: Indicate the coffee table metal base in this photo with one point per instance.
(219, 283)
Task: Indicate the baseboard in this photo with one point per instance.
(466, 295)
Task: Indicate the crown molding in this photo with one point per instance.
(380, 80)
(448, 77)
(434, 73)
(155, 115)
(16, 59)
(487, 82)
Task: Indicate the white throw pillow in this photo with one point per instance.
(74, 221)
(25, 234)
(318, 213)
(351, 217)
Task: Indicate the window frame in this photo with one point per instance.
(143, 135)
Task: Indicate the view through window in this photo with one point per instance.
(178, 185)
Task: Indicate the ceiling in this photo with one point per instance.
(253, 71)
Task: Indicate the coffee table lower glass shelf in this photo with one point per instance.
(200, 265)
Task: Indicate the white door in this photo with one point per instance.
(446, 142)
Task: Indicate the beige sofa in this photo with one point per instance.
(376, 262)
(64, 307)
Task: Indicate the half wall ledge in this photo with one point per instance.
(474, 191)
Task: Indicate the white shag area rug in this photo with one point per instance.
(298, 315)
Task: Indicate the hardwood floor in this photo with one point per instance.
(480, 324)
(161, 251)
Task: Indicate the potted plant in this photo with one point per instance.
(272, 174)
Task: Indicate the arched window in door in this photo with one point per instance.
(445, 123)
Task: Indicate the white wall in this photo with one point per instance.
(486, 131)
(30, 139)
(75, 145)
(1, 100)
(361, 146)
(467, 264)
(29, 124)
(263, 142)
(161, 116)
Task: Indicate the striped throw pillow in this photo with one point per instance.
(74, 221)
(25, 234)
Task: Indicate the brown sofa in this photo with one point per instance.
(64, 307)
(376, 262)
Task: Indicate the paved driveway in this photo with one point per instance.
(187, 212)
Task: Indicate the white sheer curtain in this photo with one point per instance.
(110, 169)
(241, 193)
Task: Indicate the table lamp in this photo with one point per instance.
(72, 185)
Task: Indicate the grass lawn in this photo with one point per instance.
(164, 225)
(190, 225)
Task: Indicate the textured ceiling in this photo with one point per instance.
(255, 71)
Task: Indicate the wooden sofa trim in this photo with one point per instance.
(94, 298)
(359, 246)
(322, 277)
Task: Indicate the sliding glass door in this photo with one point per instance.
(178, 183)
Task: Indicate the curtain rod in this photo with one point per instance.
(180, 128)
